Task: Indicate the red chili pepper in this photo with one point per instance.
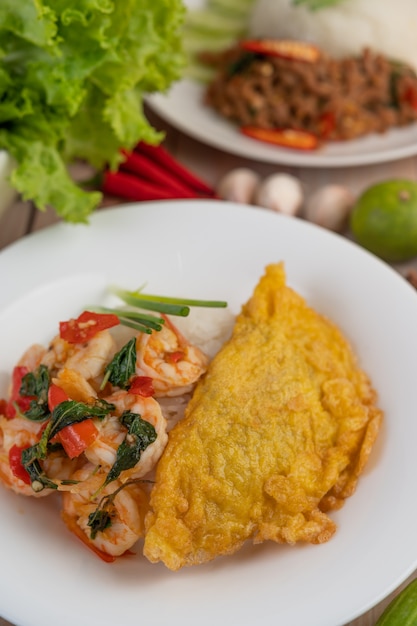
(174, 357)
(143, 167)
(165, 160)
(327, 124)
(410, 96)
(142, 386)
(76, 438)
(86, 326)
(15, 462)
(284, 48)
(23, 402)
(285, 137)
(56, 395)
(124, 185)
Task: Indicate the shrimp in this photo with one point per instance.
(22, 433)
(112, 433)
(170, 360)
(32, 357)
(88, 359)
(124, 506)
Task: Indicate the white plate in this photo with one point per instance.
(183, 107)
(216, 250)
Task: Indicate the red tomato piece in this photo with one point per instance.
(284, 48)
(77, 437)
(15, 462)
(142, 386)
(285, 137)
(86, 326)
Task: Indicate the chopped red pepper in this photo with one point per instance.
(86, 326)
(56, 395)
(410, 96)
(327, 124)
(174, 357)
(76, 438)
(285, 137)
(23, 402)
(142, 386)
(284, 48)
(15, 462)
(3, 406)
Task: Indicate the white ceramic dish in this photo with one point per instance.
(183, 107)
(216, 250)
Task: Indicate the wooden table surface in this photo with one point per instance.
(210, 164)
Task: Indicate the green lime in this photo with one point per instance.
(384, 220)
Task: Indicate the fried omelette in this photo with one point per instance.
(275, 436)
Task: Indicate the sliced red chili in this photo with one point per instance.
(285, 137)
(284, 48)
(22, 402)
(86, 326)
(174, 357)
(56, 395)
(410, 96)
(327, 124)
(77, 437)
(15, 462)
(142, 386)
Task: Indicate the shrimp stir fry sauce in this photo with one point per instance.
(82, 421)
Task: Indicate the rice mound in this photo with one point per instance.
(385, 26)
(208, 329)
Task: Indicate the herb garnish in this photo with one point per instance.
(101, 518)
(315, 5)
(64, 414)
(140, 434)
(36, 384)
(166, 305)
(122, 367)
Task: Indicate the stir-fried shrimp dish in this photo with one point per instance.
(82, 422)
(192, 437)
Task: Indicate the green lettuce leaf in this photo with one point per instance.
(72, 81)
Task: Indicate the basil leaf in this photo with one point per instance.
(123, 365)
(98, 521)
(140, 434)
(71, 412)
(36, 384)
(30, 461)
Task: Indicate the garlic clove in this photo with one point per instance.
(238, 185)
(280, 192)
(329, 207)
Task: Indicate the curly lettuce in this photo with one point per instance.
(72, 80)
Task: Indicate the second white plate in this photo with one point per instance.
(183, 107)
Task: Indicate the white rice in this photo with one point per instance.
(208, 329)
(386, 26)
